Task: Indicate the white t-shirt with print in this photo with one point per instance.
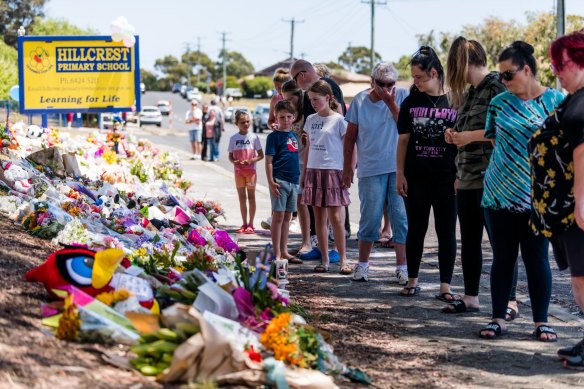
(325, 134)
(244, 147)
(195, 114)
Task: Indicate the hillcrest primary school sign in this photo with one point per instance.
(77, 74)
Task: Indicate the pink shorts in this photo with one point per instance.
(245, 179)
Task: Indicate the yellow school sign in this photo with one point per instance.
(77, 74)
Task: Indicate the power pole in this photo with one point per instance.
(198, 59)
(188, 63)
(350, 58)
(561, 27)
(373, 3)
(292, 23)
(224, 51)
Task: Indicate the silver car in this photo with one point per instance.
(150, 114)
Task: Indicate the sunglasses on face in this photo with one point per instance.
(295, 78)
(507, 75)
(389, 84)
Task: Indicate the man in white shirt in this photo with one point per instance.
(194, 117)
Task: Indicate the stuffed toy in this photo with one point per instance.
(91, 272)
(16, 177)
(34, 131)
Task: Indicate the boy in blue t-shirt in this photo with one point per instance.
(283, 171)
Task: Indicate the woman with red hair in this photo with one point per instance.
(557, 174)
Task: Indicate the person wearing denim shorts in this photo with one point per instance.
(283, 174)
(372, 127)
(195, 118)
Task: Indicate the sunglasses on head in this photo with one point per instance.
(507, 75)
(382, 84)
(295, 78)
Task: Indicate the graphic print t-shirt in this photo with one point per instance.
(325, 134)
(426, 118)
(283, 146)
(244, 147)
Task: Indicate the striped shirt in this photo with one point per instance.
(512, 121)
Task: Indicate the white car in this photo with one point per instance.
(142, 87)
(194, 94)
(150, 114)
(164, 106)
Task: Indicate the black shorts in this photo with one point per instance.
(569, 250)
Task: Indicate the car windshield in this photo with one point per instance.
(266, 110)
(150, 110)
(163, 104)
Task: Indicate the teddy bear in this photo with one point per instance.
(16, 177)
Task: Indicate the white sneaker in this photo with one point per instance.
(402, 276)
(361, 273)
(314, 240)
(267, 224)
(197, 156)
(295, 226)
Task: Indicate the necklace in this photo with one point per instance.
(434, 103)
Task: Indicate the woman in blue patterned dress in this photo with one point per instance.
(512, 119)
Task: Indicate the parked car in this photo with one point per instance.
(260, 117)
(230, 113)
(233, 92)
(142, 87)
(176, 87)
(164, 106)
(150, 114)
(194, 94)
(183, 90)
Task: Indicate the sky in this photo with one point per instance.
(260, 29)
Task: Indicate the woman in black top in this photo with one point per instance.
(557, 174)
(426, 169)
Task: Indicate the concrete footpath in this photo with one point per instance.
(446, 346)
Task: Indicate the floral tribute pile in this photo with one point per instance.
(145, 264)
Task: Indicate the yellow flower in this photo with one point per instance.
(540, 206)
(69, 323)
(540, 161)
(568, 175)
(541, 149)
(570, 167)
(551, 173)
(552, 183)
(546, 233)
(554, 140)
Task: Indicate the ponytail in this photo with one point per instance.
(427, 59)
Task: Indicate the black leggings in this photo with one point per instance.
(313, 224)
(423, 194)
(509, 231)
(471, 219)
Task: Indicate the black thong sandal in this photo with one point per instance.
(545, 329)
(411, 291)
(511, 314)
(459, 306)
(444, 297)
(492, 326)
(321, 268)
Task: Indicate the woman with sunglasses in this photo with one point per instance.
(467, 64)
(557, 173)
(426, 170)
(512, 119)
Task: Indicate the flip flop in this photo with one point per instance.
(295, 260)
(512, 313)
(321, 269)
(495, 327)
(346, 270)
(545, 329)
(459, 306)
(442, 297)
(416, 290)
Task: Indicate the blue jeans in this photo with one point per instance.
(374, 193)
(213, 149)
(509, 231)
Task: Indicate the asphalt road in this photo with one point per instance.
(174, 133)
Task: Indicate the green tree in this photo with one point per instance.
(173, 70)
(257, 86)
(357, 59)
(58, 27)
(332, 65)
(194, 58)
(8, 69)
(16, 13)
(403, 67)
(149, 79)
(236, 65)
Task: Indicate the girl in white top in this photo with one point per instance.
(322, 172)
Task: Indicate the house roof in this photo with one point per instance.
(269, 71)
